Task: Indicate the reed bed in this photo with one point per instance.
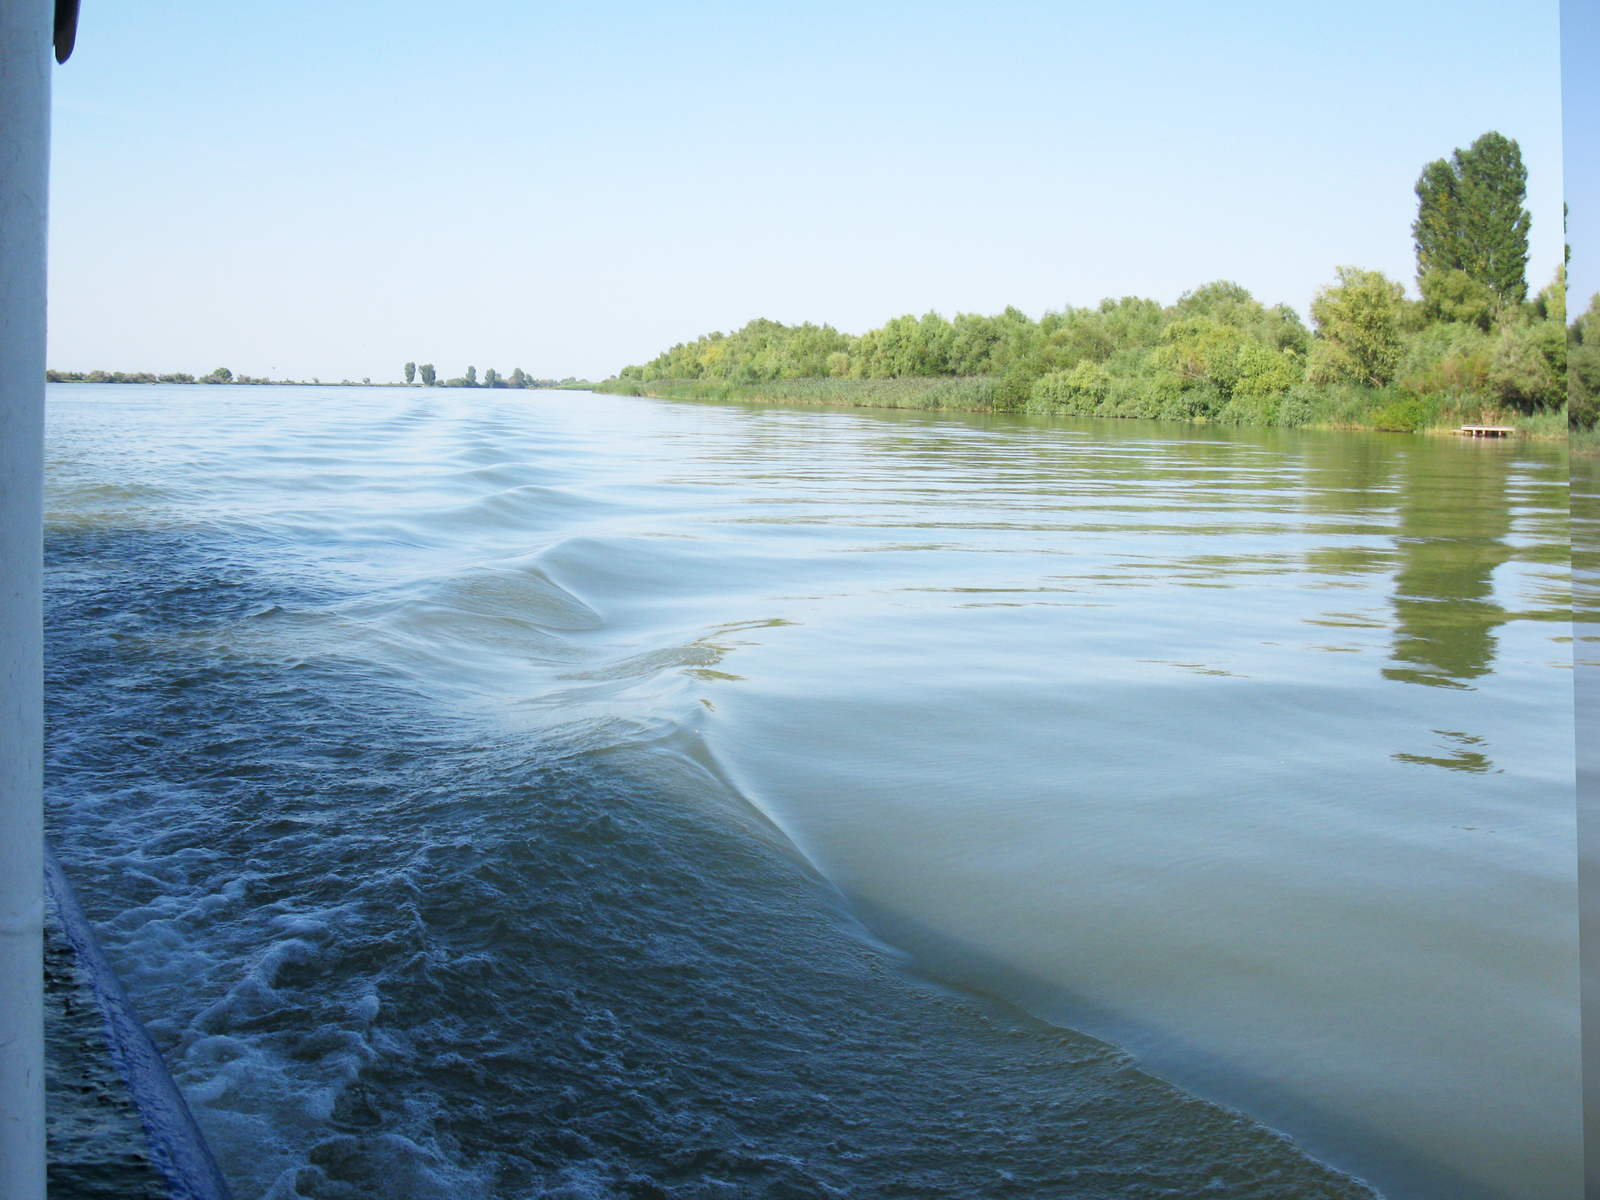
(1348, 408)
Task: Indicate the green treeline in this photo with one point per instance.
(1472, 346)
(426, 375)
(517, 379)
(220, 375)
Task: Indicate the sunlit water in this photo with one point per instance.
(555, 794)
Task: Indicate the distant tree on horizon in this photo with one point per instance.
(427, 374)
(518, 379)
(411, 372)
(1471, 223)
(490, 377)
(471, 377)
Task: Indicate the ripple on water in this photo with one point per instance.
(387, 957)
(412, 749)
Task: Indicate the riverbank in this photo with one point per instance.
(1348, 408)
(224, 376)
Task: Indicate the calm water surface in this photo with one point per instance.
(556, 794)
(1585, 502)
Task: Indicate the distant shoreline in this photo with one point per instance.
(222, 376)
(1350, 409)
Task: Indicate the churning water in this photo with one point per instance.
(546, 794)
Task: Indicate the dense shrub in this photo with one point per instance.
(1404, 416)
(1583, 367)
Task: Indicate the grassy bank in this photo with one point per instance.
(1585, 441)
(1339, 407)
(971, 394)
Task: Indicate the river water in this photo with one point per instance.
(549, 794)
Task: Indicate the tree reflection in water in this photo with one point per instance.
(1454, 518)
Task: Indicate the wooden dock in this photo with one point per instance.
(1486, 430)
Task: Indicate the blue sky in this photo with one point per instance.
(1580, 114)
(332, 189)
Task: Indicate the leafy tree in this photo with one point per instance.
(1528, 369)
(1218, 299)
(1358, 329)
(1450, 294)
(1016, 385)
(1551, 302)
(411, 372)
(974, 342)
(1205, 350)
(1258, 371)
(907, 346)
(1081, 389)
(490, 377)
(220, 375)
(1192, 348)
(472, 376)
(1470, 216)
(1096, 334)
(1437, 230)
(761, 350)
(1583, 367)
(1529, 360)
(427, 374)
(518, 379)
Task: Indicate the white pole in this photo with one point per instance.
(25, 63)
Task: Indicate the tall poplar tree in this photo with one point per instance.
(1470, 217)
(411, 372)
